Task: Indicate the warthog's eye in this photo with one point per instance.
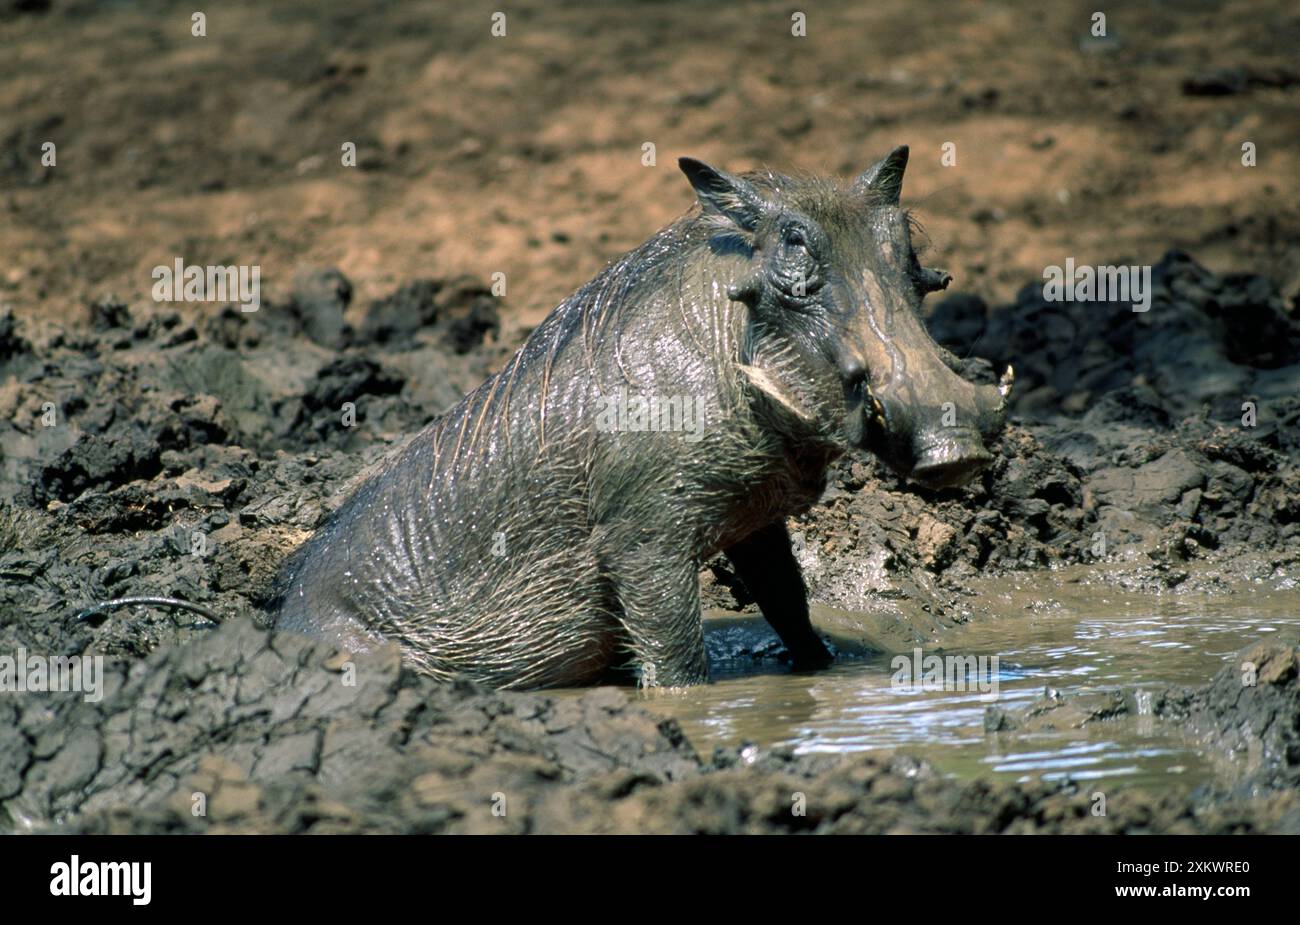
(794, 269)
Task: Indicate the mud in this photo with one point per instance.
(242, 732)
(184, 450)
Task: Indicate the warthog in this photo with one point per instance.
(550, 528)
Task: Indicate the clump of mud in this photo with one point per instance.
(1249, 716)
(142, 454)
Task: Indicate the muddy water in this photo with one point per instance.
(1054, 631)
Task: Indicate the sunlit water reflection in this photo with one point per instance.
(1071, 638)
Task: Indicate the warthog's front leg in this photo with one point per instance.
(659, 593)
(769, 570)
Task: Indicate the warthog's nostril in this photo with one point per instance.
(950, 462)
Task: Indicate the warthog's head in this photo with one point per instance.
(834, 290)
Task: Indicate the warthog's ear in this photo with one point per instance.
(885, 177)
(724, 194)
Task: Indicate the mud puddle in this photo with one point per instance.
(1061, 633)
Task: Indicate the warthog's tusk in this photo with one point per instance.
(1006, 382)
(877, 409)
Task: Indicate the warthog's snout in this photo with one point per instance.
(950, 460)
(940, 445)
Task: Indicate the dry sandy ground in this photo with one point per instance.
(522, 154)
